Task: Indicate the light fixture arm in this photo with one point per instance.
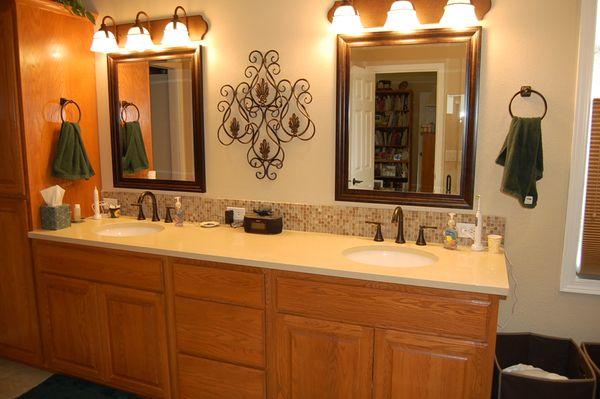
(138, 23)
(176, 17)
(351, 4)
(104, 27)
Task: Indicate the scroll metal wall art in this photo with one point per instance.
(265, 113)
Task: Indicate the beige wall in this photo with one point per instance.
(525, 42)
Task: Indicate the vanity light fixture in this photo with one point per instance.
(138, 37)
(346, 19)
(104, 40)
(459, 14)
(176, 33)
(402, 17)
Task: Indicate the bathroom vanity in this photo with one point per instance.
(217, 313)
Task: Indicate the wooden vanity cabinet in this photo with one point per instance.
(167, 327)
(418, 366)
(219, 324)
(135, 335)
(72, 340)
(323, 359)
(103, 316)
(359, 339)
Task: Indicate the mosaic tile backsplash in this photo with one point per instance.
(333, 219)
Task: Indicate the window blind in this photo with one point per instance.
(590, 251)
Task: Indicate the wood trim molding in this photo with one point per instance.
(197, 27)
(51, 6)
(373, 13)
(570, 281)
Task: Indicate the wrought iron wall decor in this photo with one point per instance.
(265, 113)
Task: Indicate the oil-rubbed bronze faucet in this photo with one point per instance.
(421, 239)
(378, 234)
(398, 217)
(140, 204)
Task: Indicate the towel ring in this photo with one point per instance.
(63, 104)
(526, 92)
(124, 106)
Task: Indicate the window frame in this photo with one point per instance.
(570, 281)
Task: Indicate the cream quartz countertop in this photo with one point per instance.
(305, 252)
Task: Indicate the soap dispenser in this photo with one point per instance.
(451, 234)
(178, 212)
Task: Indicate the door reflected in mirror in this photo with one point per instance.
(407, 117)
(157, 138)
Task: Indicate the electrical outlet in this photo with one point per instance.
(466, 230)
(238, 213)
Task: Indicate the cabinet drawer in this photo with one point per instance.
(107, 266)
(219, 282)
(207, 379)
(420, 310)
(218, 331)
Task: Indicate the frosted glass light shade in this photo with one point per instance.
(402, 17)
(138, 39)
(346, 21)
(459, 14)
(176, 36)
(104, 42)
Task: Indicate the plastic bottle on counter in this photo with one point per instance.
(451, 234)
(179, 215)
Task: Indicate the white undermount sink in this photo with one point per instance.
(390, 256)
(129, 229)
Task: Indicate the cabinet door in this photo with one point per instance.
(135, 333)
(323, 359)
(423, 367)
(70, 326)
(12, 182)
(19, 330)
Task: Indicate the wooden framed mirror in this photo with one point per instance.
(157, 122)
(407, 117)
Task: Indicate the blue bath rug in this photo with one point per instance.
(63, 387)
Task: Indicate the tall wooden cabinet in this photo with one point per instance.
(19, 333)
(41, 62)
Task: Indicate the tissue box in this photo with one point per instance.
(56, 217)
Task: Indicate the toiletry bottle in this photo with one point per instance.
(77, 213)
(451, 234)
(178, 212)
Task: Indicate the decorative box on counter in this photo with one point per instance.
(55, 217)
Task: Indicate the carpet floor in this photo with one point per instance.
(63, 387)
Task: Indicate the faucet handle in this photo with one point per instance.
(421, 239)
(141, 215)
(168, 218)
(378, 234)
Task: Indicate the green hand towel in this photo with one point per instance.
(71, 161)
(523, 160)
(132, 145)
